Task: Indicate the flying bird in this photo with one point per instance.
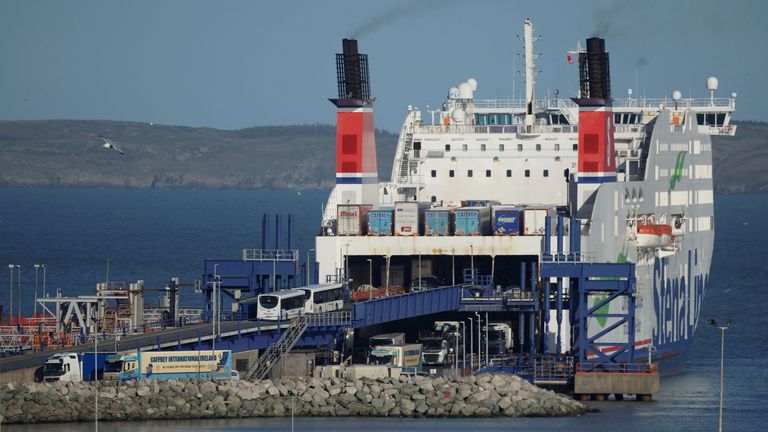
(108, 144)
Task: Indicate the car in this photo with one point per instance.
(424, 283)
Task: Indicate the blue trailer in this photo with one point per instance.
(473, 221)
(439, 221)
(506, 221)
(380, 223)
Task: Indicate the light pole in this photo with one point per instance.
(96, 369)
(453, 267)
(10, 292)
(722, 329)
(471, 344)
(18, 274)
(370, 272)
(37, 268)
(44, 266)
(479, 346)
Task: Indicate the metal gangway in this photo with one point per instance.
(288, 339)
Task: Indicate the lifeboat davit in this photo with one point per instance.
(654, 236)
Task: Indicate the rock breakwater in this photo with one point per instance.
(486, 395)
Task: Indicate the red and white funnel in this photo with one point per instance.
(356, 173)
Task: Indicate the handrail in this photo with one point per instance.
(270, 254)
(631, 368)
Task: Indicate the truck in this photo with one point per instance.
(386, 339)
(406, 357)
(70, 366)
(352, 219)
(438, 221)
(177, 364)
(473, 221)
(499, 338)
(443, 343)
(506, 220)
(380, 222)
(409, 219)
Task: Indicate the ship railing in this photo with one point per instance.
(330, 319)
(270, 254)
(496, 129)
(642, 103)
(569, 257)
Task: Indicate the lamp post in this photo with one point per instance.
(18, 277)
(479, 346)
(37, 268)
(453, 267)
(471, 344)
(370, 272)
(722, 329)
(44, 266)
(10, 292)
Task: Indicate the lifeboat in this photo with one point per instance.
(654, 236)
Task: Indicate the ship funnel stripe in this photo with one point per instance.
(597, 179)
(356, 180)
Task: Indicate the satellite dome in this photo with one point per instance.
(472, 83)
(453, 93)
(465, 91)
(676, 95)
(712, 83)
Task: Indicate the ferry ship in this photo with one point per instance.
(614, 181)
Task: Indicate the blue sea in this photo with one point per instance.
(153, 235)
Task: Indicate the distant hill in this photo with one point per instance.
(67, 153)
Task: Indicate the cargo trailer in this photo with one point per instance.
(473, 221)
(439, 221)
(352, 219)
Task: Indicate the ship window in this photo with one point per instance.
(451, 173)
(464, 147)
(509, 173)
(546, 173)
(538, 147)
(469, 173)
(527, 173)
(447, 147)
(519, 147)
(434, 173)
(557, 147)
(433, 199)
(482, 147)
(501, 147)
(487, 173)
(417, 145)
(575, 147)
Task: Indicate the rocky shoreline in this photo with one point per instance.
(486, 395)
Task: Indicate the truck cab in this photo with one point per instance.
(406, 357)
(435, 351)
(499, 338)
(62, 367)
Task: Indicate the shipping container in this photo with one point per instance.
(506, 220)
(473, 221)
(534, 220)
(352, 219)
(409, 219)
(380, 222)
(439, 221)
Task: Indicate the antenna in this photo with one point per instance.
(530, 72)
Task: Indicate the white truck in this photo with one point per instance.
(499, 338)
(442, 345)
(81, 367)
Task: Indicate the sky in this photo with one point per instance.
(237, 64)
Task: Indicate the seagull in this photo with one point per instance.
(108, 144)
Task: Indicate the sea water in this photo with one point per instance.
(154, 234)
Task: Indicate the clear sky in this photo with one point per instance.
(235, 64)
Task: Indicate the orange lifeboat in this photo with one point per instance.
(654, 236)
